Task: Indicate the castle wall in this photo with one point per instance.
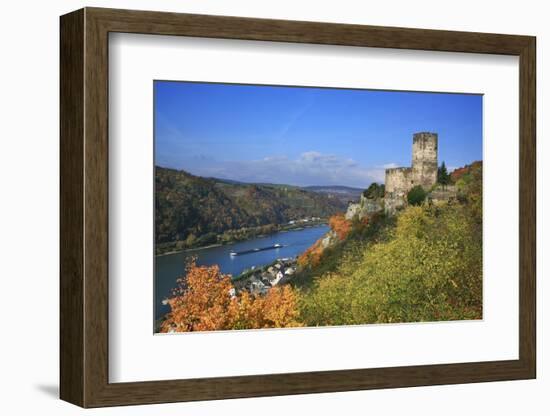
(398, 179)
(443, 194)
(398, 183)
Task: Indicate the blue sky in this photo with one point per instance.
(306, 136)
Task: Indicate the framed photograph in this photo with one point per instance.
(255, 207)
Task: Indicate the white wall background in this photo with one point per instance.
(29, 159)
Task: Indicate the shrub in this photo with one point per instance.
(374, 191)
(416, 195)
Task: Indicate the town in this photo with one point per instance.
(258, 281)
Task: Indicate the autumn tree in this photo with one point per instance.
(277, 309)
(190, 240)
(340, 226)
(201, 302)
(204, 301)
(312, 256)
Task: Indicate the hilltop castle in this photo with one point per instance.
(423, 172)
(399, 181)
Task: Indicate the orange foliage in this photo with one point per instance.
(312, 256)
(203, 303)
(277, 309)
(460, 172)
(340, 226)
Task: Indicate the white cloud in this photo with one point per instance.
(390, 165)
(310, 168)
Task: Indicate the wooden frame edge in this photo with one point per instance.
(528, 207)
(72, 368)
(84, 207)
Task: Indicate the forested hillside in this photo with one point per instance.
(424, 264)
(195, 211)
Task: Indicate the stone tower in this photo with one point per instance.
(399, 181)
(424, 159)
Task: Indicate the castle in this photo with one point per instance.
(423, 172)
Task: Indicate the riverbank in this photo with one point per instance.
(189, 250)
(169, 268)
(165, 249)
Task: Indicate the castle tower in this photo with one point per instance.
(424, 159)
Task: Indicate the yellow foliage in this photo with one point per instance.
(430, 268)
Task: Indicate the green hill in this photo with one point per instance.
(193, 211)
(424, 264)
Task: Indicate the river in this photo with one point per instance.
(171, 266)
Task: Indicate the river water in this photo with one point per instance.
(171, 266)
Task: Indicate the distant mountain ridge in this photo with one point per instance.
(314, 188)
(189, 206)
(343, 193)
(334, 189)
